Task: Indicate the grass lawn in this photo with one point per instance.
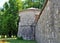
(20, 41)
(17, 41)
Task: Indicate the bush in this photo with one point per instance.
(19, 38)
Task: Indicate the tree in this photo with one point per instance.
(33, 3)
(13, 9)
(9, 17)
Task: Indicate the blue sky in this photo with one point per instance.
(2, 3)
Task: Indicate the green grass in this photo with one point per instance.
(19, 41)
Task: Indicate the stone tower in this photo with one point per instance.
(26, 25)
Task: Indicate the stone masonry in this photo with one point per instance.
(26, 28)
(48, 26)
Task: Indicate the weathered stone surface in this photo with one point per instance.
(48, 26)
(26, 24)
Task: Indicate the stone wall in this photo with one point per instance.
(48, 26)
(26, 24)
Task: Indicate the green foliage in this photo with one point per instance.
(33, 3)
(9, 18)
(19, 38)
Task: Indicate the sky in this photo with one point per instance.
(2, 3)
